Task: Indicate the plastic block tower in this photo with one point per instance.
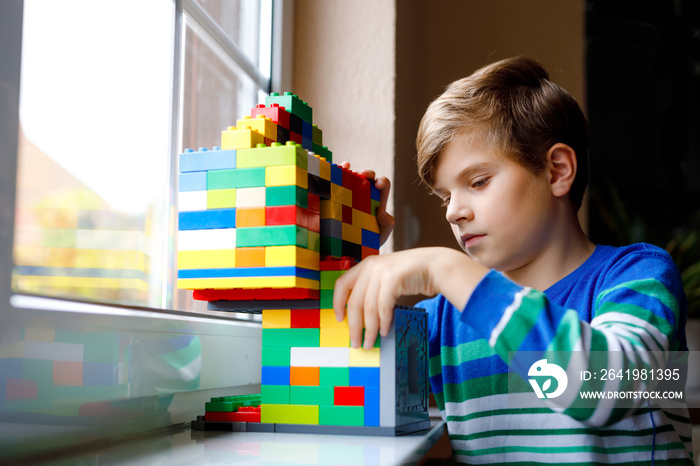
(267, 223)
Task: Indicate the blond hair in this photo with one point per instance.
(510, 105)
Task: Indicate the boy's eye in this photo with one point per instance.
(481, 182)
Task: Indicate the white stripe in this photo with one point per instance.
(619, 318)
(507, 314)
(319, 357)
(200, 240)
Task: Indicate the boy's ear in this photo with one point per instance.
(562, 168)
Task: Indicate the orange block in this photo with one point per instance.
(304, 376)
(250, 217)
(68, 373)
(366, 252)
(250, 257)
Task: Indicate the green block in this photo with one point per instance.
(221, 198)
(289, 414)
(327, 154)
(331, 246)
(334, 376)
(374, 205)
(273, 356)
(292, 103)
(219, 406)
(286, 195)
(328, 278)
(341, 415)
(275, 394)
(239, 401)
(314, 241)
(317, 135)
(317, 149)
(275, 235)
(310, 395)
(288, 337)
(326, 299)
(236, 178)
(275, 155)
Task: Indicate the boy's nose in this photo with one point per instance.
(458, 211)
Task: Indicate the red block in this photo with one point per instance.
(361, 203)
(366, 252)
(349, 396)
(314, 219)
(274, 112)
(347, 214)
(261, 294)
(287, 215)
(344, 263)
(314, 203)
(305, 318)
(296, 137)
(246, 414)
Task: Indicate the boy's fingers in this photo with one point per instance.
(385, 307)
(341, 292)
(371, 315)
(369, 174)
(355, 313)
(384, 191)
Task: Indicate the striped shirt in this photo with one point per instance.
(622, 310)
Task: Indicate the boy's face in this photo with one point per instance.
(500, 213)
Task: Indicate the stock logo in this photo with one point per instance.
(542, 369)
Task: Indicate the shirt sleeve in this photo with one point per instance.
(638, 324)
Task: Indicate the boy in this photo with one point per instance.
(505, 150)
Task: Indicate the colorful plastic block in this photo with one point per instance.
(277, 154)
(200, 240)
(275, 235)
(206, 259)
(250, 257)
(349, 396)
(342, 415)
(207, 219)
(221, 198)
(286, 175)
(240, 138)
(260, 123)
(304, 376)
(274, 112)
(204, 159)
(291, 337)
(292, 103)
(305, 318)
(238, 178)
(289, 414)
(317, 356)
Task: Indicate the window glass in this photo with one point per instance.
(93, 162)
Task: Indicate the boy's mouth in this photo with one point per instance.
(470, 240)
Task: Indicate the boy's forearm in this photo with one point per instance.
(456, 275)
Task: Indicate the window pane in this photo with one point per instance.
(94, 150)
(240, 21)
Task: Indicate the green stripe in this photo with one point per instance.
(497, 384)
(568, 333)
(470, 351)
(670, 462)
(644, 314)
(573, 431)
(649, 287)
(520, 323)
(498, 412)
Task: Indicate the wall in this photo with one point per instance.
(344, 67)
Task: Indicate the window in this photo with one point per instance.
(106, 104)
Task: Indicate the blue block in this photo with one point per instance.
(364, 376)
(370, 239)
(207, 219)
(307, 130)
(204, 159)
(102, 374)
(194, 181)
(374, 193)
(278, 375)
(371, 406)
(307, 144)
(336, 173)
(250, 272)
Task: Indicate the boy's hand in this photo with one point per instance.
(372, 287)
(384, 218)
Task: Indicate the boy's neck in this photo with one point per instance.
(569, 249)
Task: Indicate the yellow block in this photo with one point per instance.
(314, 241)
(276, 318)
(291, 256)
(325, 167)
(365, 221)
(341, 195)
(328, 320)
(286, 175)
(335, 337)
(332, 209)
(261, 124)
(289, 414)
(246, 283)
(207, 259)
(221, 198)
(352, 233)
(360, 357)
(240, 138)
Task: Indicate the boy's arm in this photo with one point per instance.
(372, 287)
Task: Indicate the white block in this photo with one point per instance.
(188, 201)
(199, 240)
(320, 357)
(250, 197)
(314, 165)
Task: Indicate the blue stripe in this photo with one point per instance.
(474, 369)
(488, 302)
(250, 272)
(542, 333)
(195, 181)
(204, 159)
